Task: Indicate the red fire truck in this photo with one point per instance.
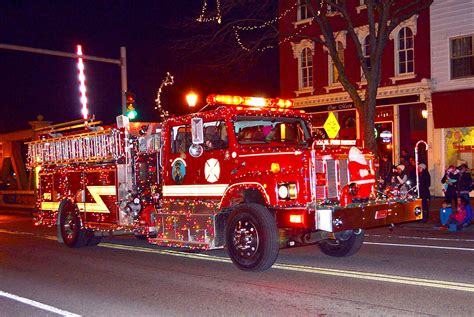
(246, 175)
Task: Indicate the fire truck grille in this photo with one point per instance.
(343, 173)
(320, 191)
(332, 178)
(319, 166)
(312, 176)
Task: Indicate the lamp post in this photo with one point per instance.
(191, 99)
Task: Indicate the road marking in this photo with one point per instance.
(419, 238)
(307, 269)
(38, 305)
(314, 270)
(28, 234)
(418, 246)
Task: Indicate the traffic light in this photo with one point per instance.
(130, 100)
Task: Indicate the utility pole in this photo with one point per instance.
(122, 62)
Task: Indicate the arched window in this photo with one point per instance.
(334, 75)
(405, 53)
(366, 52)
(302, 13)
(306, 68)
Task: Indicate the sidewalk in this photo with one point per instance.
(434, 221)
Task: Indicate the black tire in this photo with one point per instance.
(345, 246)
(141, 237)
(72, 233)
(252, 238)
(93, 241)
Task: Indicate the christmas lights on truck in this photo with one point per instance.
(247, 176)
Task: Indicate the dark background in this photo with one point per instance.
(32, 84)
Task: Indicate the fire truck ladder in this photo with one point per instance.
(93, 146)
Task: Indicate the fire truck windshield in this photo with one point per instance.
(259, 129)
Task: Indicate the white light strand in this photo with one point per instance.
(169, 80)
(217, 18)
(284, 40)
(82, 83)
(267, 23)
(263, 25)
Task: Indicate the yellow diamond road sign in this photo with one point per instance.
(331, 126)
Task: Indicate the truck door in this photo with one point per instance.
(213, 172)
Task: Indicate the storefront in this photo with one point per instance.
(453, 113)
(399, 121)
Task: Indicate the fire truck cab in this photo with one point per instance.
(247, 176)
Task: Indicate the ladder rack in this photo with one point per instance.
(94, 146)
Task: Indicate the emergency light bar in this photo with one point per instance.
(249, 101)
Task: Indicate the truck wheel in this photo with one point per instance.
(70, 224)
(348, 244)
(252, 237)
(93, 241)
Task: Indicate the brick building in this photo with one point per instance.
(404, 95)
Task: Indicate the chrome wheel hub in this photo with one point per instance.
(246, 239)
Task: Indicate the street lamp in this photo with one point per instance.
(191, 99)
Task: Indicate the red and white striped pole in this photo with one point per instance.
(82, 84)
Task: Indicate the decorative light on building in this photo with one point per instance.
(424, 113)
(82, 83)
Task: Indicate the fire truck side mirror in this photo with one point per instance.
(197, 130)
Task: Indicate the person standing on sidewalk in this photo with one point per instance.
(385, 171)
(411, 172)
(464, 181)
(424, 188)
(449, 181)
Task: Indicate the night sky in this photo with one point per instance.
(34, 84)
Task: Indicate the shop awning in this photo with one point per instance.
(453, 109)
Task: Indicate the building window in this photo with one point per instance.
(302, 10)
(462, 57)
(306, 68)
(332, 10)
(405, 52)
(361, 6)
(303, 52)
(366, 51)
(334, 74)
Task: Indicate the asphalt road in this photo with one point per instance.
(413, 270)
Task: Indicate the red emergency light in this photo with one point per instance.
(257, 102)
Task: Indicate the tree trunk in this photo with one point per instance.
(369, 116)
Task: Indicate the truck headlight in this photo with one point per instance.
(287, 191)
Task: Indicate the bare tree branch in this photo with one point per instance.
(249, 27)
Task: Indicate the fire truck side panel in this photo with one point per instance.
(47, 199)
(192, 187)
(371, 216)
(57, 185)
(93, 190)
(100, 204)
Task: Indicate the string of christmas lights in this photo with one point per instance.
(169, 80)
(237, 29)
(217, 18)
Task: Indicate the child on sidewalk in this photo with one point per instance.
(463, 215)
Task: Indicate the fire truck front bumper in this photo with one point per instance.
(336, 219)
